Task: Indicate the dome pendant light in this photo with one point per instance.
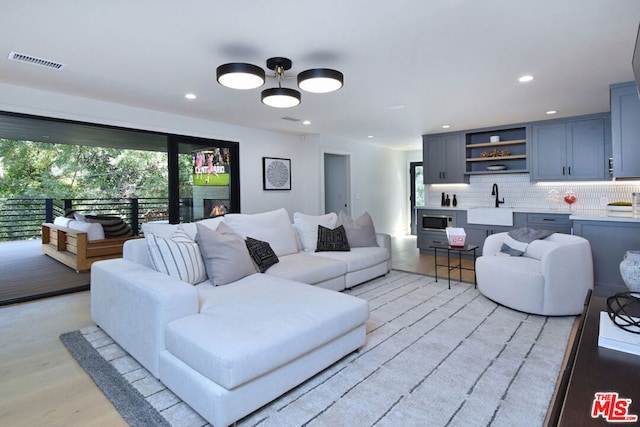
(280, 97)
(320, 80)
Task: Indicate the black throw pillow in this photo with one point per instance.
(332, 240)
(261, 253)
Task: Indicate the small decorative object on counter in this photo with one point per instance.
(447, 201)
(456, 236)
(624, 209)
(570, 198)
(455, 201)
(442, 200)
(630, 271)
(553, 198)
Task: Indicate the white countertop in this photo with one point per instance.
(576, 215)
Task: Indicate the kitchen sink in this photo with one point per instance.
(490, 216)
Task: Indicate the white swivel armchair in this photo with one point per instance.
(551, 278)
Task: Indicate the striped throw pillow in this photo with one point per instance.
(178, 257)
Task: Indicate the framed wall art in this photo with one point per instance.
(276, 173)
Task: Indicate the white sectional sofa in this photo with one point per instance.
(227, 350)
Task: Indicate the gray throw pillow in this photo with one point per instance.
(225, 254)
(261, 253)
(360, 232)
(517, 241)
(332, 240)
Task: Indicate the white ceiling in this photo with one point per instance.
(452, 62)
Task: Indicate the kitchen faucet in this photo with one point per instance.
(494, 192)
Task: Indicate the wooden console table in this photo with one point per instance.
(590, 369)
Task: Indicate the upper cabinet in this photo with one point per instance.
(625, 127)
(496, 151)
(570, 149)
(443, 158)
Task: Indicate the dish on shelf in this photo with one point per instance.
(496, 168)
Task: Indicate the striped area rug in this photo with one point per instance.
(433, 357)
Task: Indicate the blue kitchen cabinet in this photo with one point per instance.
(443, 158)
(625, 128)
(609, 240)
(558, 222)
(570, 149)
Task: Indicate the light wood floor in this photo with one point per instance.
(407, 257)
(42, 385)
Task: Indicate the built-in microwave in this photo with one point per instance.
(437, 222)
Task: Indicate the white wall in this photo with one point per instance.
(378, 174)
(378, 182)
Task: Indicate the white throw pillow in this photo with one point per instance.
(167, 230)
(94, 230)
(178, 257)
(212, 223)
(62, 221)
(273, 227)
(307, 226)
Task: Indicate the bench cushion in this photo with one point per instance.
(358, 258)
(306, 268)
(249, 328)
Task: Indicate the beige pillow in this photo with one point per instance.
(225, 254)
(360, 232)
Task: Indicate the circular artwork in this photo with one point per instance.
(277, 174)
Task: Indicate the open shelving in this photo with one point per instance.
(481, 153)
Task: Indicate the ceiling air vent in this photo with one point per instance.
(291, 119)
(20, 57)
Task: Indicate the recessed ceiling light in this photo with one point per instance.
(306, 122)
(190, 96)
(446, 126)
(369, 136)
(551, 112)
(525, 79)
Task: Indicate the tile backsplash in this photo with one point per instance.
(519, 192)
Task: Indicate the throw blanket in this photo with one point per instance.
(517, 241)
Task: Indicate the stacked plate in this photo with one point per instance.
(621, 211)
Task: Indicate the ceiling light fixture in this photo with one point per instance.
(248, 76)
(237, 75)
(525, 79)
(320, 80)
(280, 97)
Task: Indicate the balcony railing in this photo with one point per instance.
(20, 218)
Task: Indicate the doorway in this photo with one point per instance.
(337, 185)
(416, 196)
